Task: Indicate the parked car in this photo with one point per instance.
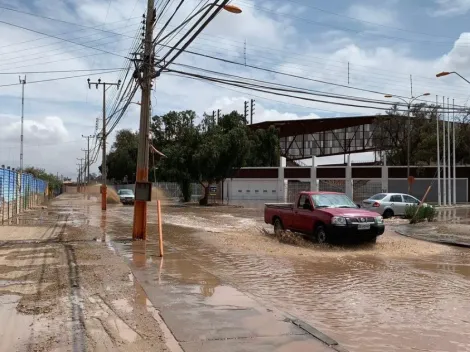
(325, 217)
(126, 196)
(390, 204)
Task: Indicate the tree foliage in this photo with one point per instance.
(210, 151)
(54, 183)
(392, 130)
(121, 162)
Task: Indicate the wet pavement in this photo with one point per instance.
(399, 295)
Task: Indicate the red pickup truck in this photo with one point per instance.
(325, 217)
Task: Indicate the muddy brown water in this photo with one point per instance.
(399, 295)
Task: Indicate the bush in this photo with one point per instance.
(425, 213)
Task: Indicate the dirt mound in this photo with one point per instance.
(111, 194)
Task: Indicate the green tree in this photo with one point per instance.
(391, 136)
(54, 183)
(178, 138)
(122, 160)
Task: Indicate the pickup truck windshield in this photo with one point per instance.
(332, 201)
(126, 192)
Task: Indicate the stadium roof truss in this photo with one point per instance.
(302, 139)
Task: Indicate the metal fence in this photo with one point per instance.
(170, 190)
(19, 192)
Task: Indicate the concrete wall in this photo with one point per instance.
(420, 186)
(254, 189)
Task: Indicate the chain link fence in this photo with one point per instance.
(19, 192)
(363, 189)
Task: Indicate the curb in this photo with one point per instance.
(447, 243)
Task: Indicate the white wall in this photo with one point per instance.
(255, 189)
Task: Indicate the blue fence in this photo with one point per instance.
(19, 192)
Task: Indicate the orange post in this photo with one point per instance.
(103, 197)
(160, 232)
(420, 204)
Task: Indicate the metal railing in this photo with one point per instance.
(19, 192)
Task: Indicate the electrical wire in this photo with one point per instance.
(295, 76)
(63, 39)
(60, 71)
(58, 78)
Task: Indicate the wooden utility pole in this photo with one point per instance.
(103, 137)
(80, 170)
(146, 75)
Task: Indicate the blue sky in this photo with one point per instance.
(384, 43)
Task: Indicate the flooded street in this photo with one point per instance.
(399, 295)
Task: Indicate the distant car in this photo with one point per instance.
(126, 196)
(390, 204)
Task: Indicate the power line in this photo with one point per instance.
(58, 78)
(63, 39)
(60, 71)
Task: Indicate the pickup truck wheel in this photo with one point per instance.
(278, 228)
(320, 234)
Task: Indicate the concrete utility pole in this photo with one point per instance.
(252, 112)
(22, 82)
(444, 182)
(139, 230)
(438, 137)
(80, 170)
(103, 137)
(88, 156)
(246, 111)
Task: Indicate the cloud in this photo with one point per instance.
(450, 8)
(373, 14)
(50, 129)
(261, 113)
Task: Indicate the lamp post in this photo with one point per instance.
(442, 74)
(408, 147)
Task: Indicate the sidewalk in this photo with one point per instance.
(60, 290)
(64, 289)
(444, 233)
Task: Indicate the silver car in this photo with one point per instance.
(389, 204)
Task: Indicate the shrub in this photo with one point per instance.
(425, 213)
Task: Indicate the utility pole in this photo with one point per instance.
(252, 111)
(80, 173)
(103, 137)
(88, 156)
(20, 185)
(246, 112)
(22, 82)
(218, 116)
(139, 230)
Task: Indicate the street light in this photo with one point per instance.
(408, 148)
(445, 73)
(229, 8)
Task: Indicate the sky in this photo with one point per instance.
(383, 44)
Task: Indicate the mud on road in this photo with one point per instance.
(61, 290)
(398, 295)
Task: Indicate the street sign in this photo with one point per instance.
(213, 190)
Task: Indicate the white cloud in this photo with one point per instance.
(451, 8)
(373, 14)
(273, 42)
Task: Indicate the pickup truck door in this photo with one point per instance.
(303, 219)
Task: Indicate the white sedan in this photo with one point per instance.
(390, 204)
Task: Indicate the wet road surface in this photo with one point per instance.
(399, 295)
